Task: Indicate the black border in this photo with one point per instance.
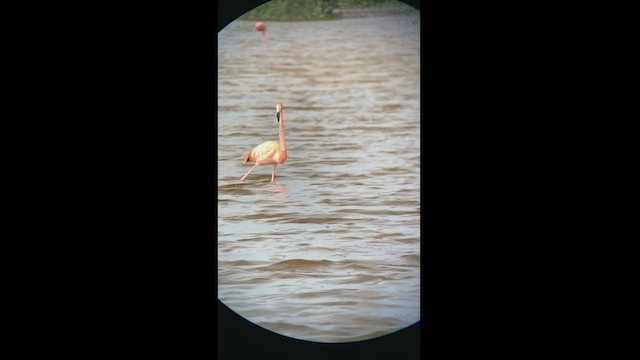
(124, 165)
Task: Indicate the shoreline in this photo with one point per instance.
(335, 14)
(372, 12)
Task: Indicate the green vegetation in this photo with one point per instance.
(349, 4)
(296, 10)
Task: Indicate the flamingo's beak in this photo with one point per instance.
(278, 111)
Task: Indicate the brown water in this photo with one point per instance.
(331, 253)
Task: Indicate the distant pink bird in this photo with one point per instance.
(269, 152)
(263, 29)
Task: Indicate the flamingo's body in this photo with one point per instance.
(269, 152)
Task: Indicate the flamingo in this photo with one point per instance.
(269, 152)
(263, 29)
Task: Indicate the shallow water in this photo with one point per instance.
(331, 252)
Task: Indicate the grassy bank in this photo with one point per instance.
(296, 10)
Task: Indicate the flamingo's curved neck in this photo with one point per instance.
(281, 130)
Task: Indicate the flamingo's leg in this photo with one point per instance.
(249, 172)
(273, 174)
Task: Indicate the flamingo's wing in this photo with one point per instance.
(263, 150)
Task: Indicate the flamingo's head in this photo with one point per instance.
(278, 110)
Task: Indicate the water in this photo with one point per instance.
(331, 252)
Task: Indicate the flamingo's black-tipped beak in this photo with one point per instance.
(278, 111)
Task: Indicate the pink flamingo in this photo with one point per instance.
(263, 29)
(269, 152)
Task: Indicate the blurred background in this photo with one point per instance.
(287, 10)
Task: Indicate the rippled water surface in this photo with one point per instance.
(331, 252)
